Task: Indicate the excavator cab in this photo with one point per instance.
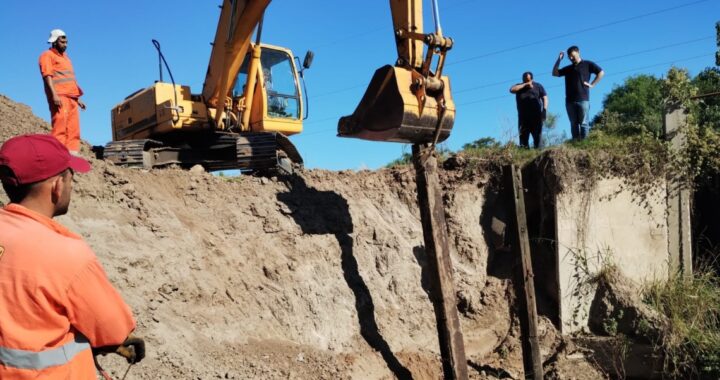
(277, 105)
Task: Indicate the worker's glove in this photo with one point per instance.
(132, 349)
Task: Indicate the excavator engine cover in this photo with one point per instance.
(391, 111)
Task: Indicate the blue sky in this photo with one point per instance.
(495, 41)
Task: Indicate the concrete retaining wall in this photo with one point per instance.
(605, 225)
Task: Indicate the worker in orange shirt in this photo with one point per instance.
(62, 91)
(57, 306)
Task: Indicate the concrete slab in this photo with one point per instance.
(607, 224)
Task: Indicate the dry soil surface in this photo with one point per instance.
(317, 276)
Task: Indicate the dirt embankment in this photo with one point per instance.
(319, 276)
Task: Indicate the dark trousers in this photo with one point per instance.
(530, 125)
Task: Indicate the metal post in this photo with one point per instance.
(432, 216)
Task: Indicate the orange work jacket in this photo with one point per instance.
(60, 68)
(55, 300)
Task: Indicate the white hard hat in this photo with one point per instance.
(54, 34)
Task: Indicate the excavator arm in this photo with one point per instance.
(406, 103)
(251, 99)
(238, 20)
(407, 17)
(409, 102)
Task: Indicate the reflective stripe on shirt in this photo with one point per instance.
(55, 81)
(23, 359)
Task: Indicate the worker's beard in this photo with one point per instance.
(62, 209)
(59, 48)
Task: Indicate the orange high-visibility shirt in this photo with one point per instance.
(60, 68)
(55, 300)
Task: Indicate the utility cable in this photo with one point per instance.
(497, 52)
(608, 75)
(656, 49)
(452, 6)
(333, 92)
(508, 81)
(616, 22)
(506, 96)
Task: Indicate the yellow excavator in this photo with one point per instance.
(252, 100)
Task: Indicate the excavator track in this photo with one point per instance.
(130, 153)
(256, 151)
(260, 152)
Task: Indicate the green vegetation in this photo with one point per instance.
(406, 158)
(691, 344)
(708, 109)
(632, 108)
(637, 107)
(627, 137)
(632, 126)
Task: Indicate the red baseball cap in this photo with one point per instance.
(34, 158)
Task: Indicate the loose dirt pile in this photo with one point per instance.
(318, 276)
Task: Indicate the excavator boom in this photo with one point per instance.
(251, 99)
(407, 15)
(238, 20)
(407, 103)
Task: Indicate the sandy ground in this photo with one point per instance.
(317, 276)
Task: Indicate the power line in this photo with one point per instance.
(608, 75)
(344, 89)
(333, 92)
(348, 37)
(576, 32)
(657, 48)
(662, 64)
(505, 96)
(379, 29)
(450, 7)
(321, 120)
(510, 81)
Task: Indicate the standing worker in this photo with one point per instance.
(62, 91)
(57, 305)
(532, 104)
(577, 89)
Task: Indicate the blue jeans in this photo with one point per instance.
(579, 115)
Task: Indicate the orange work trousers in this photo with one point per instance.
(66, 122)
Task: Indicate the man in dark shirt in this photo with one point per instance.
(577, 89)
(532, 103)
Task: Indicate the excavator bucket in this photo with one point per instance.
(390, 111)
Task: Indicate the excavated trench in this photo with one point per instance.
(317, 276)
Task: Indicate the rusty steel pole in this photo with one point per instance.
(532, 359)
(432, 216)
